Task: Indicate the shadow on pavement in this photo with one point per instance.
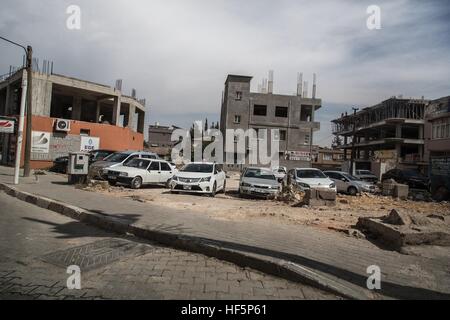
(387, 288)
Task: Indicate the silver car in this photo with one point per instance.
(258, 182)
(99, 169)
(346, 183)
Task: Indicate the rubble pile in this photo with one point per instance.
(408, 228)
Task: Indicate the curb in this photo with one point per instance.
(273, 266)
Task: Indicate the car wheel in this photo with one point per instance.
(136, 183)
(168, 184)
(214, 190)
(352, 191)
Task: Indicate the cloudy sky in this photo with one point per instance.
(177, 53)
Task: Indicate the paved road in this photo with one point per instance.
(35, 244)
(329, 253)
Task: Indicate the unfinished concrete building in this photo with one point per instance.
(293, 115)
(389, 134)
(86, 110)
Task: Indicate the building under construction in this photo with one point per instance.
(387, 135)
(292, 115)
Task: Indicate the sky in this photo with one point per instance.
(177, 53)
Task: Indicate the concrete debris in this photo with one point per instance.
(317, 198)
(401, 228)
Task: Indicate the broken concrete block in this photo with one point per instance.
(398, 218)
(317, 198)
(400, 229)
(401, 191)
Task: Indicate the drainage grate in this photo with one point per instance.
(97, 254)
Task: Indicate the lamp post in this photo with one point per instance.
(26, 90)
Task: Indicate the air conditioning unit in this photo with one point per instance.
(62, 125)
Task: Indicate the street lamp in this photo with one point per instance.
(27, 89)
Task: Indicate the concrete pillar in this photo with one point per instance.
(398, 131)
(141, 120)
(131, 116)
(97, 113)
(421, 132)
(398, 149)
(76, 111)
(116, 110)
(8, 98)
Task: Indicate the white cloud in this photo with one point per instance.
(177, 53)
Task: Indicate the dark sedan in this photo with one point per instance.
(413, 179)
(60, 164)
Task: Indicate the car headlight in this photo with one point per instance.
(303, 185)
(123, 174)
(245, 184)
(207, 179)
(333, 185)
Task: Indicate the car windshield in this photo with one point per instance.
(198, 168)
(350, 177)
(138, 163)
(117, 157)
(310, 174)
(259, 174)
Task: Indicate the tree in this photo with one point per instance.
(206, 124)
(217, 126)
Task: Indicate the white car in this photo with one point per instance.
(139, 172)
(199, 177)
(309, 178)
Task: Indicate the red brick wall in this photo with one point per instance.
(111, 137)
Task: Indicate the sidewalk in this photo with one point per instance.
(330, 255)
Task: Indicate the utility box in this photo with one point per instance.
(78, 167)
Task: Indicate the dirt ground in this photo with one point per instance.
(230, 206)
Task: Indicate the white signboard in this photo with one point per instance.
(40, 142)
(89, 144)
(6, 126)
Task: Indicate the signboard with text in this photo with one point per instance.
(7, 125)
(89, 144)
(40, 142)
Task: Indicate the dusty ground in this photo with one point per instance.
(230, 207)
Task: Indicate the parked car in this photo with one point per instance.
(307, 178)
(347, 183)
(200, 177)
(60, 164)
(139, 172)
(280, 173)
(99, 168)
(258, 182)
(366, 175)
(413, 179)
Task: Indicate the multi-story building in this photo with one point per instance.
(160, 140)
(327, 158)
(70, 115)
(437, 145)
(391, 132)
(293, 115)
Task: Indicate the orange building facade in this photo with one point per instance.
(93, 116)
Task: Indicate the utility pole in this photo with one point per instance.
(352, 160)
(27, 159)
(29, 93)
